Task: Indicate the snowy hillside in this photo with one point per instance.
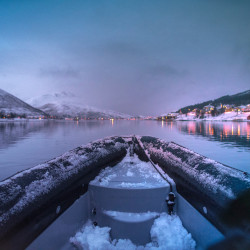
(242, 98)
(228, 116)
(11, 104)
(68, 105)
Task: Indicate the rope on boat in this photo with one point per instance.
(168, 180)
(171, 196)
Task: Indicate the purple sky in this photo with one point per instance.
(137, 57)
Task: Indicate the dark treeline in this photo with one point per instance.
(11, 115)
(237, 99)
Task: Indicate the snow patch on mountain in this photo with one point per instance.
(66, 104)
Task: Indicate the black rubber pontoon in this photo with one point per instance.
(32, 199)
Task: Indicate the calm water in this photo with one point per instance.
(26, 144)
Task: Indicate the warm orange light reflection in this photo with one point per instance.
(209, 129)
(248, 131)
(192, 127)
(223, 131)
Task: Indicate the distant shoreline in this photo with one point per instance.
(168, 120)
(20, 120)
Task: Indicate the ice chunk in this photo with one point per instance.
(167, 232)
(98, 238)
(92, 237)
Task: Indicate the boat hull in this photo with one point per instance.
(28, 206)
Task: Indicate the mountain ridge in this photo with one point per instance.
(12, 104)
(69, 105)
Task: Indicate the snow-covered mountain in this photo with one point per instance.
(68, 105)
(11, 104)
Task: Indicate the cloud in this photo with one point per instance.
(117, 48)
(165, 70)
(59, 73)
(133, 56)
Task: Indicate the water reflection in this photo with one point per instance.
(12, 132)
(233, 133)
(26, 144)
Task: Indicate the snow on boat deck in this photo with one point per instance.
(167, 232)
(132, 173)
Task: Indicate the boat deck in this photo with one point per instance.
(131, 194)
(130, 173)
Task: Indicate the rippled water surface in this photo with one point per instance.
(26, 144)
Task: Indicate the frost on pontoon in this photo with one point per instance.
(29, 188)
(208, 174)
